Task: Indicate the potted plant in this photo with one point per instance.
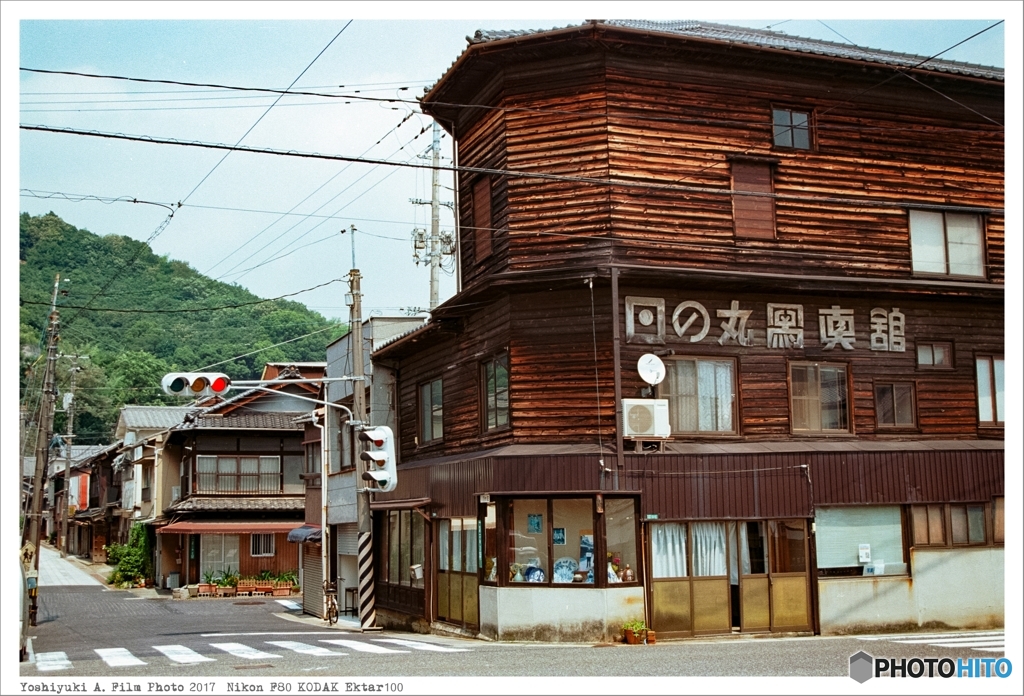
(193, 590)
(246, 585)
(227, 586)
(264, 582)
(207, 585)
(283, 584)
(634, 631)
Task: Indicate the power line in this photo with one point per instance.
(624, 183)
(187, 310)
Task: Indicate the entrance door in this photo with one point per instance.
(457, 600)
(754, 604)
(789, 575)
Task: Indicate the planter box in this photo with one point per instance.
(226, 591)
(246, 589)
(206, 588)
(282, 591)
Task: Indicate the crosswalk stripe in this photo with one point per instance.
(118, 657)
(179, 653)
(418, 645)
(50, 661)
(979, 634)
(305, 648)
(240, 650)
(362, 647)
(289, 604)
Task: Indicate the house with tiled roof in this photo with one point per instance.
(233, 470)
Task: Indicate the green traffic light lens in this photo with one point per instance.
(178, 384)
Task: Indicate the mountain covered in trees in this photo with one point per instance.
(137, 316)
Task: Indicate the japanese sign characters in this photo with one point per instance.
(785, 328)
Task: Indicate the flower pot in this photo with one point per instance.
(633, 637)
(206, 588)
(193, 590)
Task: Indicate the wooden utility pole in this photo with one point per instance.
(68, 439)
(33, 521)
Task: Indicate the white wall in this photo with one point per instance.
(558, 614)
(954, 588)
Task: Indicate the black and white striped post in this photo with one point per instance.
(367, 610)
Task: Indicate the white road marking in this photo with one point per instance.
(179, 653)
(50, 661)
(955, 642)
(1001, 648)
(418, 645)
(289, 604)
(306, 649)
(240, 650)
(979, 634)
(119, 657)
(362, 647)
(984, 641)
(271, 633)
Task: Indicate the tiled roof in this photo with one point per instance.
(153, 417)
(247, 503)
(761, 38)
(248, 420)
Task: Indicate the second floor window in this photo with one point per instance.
(791, 128)
(495, 396)
(894, 405)
(431, 412)
(238, 474)
(819, 401)
(947, 243)
(701, 395)
(991, 401)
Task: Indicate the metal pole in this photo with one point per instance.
(364, 557)
(435, 218)
(32, 528)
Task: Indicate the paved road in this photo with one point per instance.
(55, 571)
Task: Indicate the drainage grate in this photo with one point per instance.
(247, 604)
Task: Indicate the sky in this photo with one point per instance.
(273, 224)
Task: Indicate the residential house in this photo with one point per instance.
(727, 348)
(80, 493)
(238, 464)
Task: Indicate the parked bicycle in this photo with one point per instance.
(331, 597)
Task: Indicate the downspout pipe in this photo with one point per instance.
(325, 534)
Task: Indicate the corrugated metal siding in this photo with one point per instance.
(312, 581)
(347, 538)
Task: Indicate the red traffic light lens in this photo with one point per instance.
(219, 384)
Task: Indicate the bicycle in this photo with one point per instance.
(331, 597)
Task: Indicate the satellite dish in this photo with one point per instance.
(651, 368)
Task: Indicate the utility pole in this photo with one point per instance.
(436, 247)
(68, 439)
(367, 610)
(33, 520)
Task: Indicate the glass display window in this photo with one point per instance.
(528, 547)
(572, 540)
(620, 535)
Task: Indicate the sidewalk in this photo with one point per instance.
(57, 571)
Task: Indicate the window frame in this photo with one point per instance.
(947, 345)
(988, 517)
(735, 415)
(994, 387)
(791, 129)
(500, 359)
(260, 540)
(848, 376)
(896, 426)
(422, 423)
(982, 245)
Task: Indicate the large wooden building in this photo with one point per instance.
(727, 348)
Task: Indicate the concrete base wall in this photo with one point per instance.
(557, 614)
(961, 588)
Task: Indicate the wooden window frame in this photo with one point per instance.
(735, 431)
(482, 217)
(990, 359)
(791, 129)
(945, 516)
(914, 425)
(947, 345)
(983, 246)
(753, 216)
(485, 394)
(849, 430)
(421, 440)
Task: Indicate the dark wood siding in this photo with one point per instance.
(753, 216)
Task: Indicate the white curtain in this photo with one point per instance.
(708, 548)
(668, 541)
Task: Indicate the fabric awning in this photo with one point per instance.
(306, 534)
(226, 527)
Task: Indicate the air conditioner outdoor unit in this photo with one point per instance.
(645, 419)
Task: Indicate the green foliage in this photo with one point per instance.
(209, 578)
(635, 625)
(229, 578)
(134, 559)
(129, 351)
(115, 552)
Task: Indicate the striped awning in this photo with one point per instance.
(227, 527)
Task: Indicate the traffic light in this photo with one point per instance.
(381, 458)
(196, 384)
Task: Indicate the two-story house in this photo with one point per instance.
(727, 347)
(238, 466)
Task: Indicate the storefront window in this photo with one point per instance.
(401, 548)
(708, 548)
(528, 546)
(491, 544)
(668, 546)
(572, 540)
(620, 532)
